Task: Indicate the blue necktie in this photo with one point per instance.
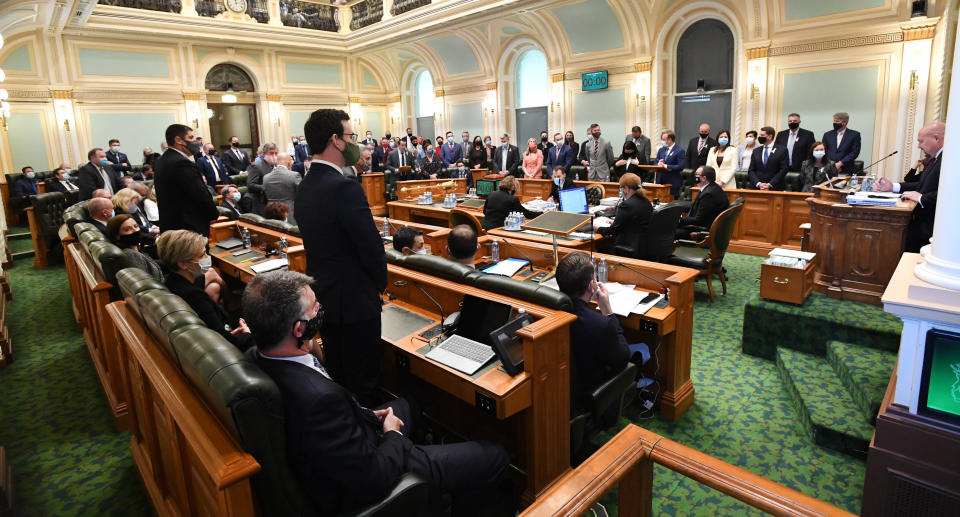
(316, 363)
(766, 151)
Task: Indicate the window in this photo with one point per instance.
(225, 75)
(533, 87)
(425, 98)
(704, 85)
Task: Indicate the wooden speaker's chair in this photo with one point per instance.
(707, 255)
(460, 216)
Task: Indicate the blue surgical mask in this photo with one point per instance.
(819, 154)
(663, 144)
(133, 209)
(391, 145)
(430, 152)
(558, 182)
(31, 175)
(236, 197)
(723, 140)
(115, 148)
(112, 213)
(486, 142)
(103, 162)
(67, 172)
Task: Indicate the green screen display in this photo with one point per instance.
(595, 81)
(940, 386)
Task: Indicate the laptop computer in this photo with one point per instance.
(574, 200)
(468, 349)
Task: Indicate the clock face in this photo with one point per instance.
(237, 6)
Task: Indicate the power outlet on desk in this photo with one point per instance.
(486, 403)
(403, 362)
(648, 326)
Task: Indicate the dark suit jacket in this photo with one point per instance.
(575, 151)
(89, 179)
(151, 159)
(643, 147)
(209, 175)
(379, 157)
(120, 161)
(849, 147)
(921, 223)
(709, 203)
(344, 252)
(451, 157)
(333, 444)
(213, 315)
(801, 148)
(500, 204)
(774, 172)
(393, 161)
(598, 345)
(235, 165)
(255, 173)
(565, 160)
(56, 186)
(631, 222)
(513, 161)
(555, 192)
(300, 153)
(234, 210)
(100, 226)
(675, 162)
(25, 187)
(182, 196)
(697, 158)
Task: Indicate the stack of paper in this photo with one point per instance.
(873, 198)
(269, 265)
(508, 267)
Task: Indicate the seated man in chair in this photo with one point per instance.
(462, 245)
(344, 455)
(709, 203)
(409, 241)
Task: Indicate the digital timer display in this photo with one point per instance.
(595, 81)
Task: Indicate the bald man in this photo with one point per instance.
(924, 192)
(101, 193)
(100, 211)
(281, 183)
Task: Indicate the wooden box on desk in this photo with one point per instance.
(787, 284)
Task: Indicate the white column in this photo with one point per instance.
(942, 265)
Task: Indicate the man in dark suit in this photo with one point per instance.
(642, 142)
(631, 220)
(380, 153)
(709, 203)
(301, 152)
(451, 154)
(61, 183)
(597, 342)
(671, 156)
(344, 455)
(116, 159)
(344, 253)
(399, 158)
(698, 148)
(149, 157)
(506, 158)
(768, 165)
(411, 139)
(183, 200)
(96, 174)
(214, 172)
(560, 155)
(100, 211)
(26, 185)
(842, 144)
(235, 160)
(255, 173)
(798, 142)
(231, 199)
(924, 192)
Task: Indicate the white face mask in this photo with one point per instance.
(749, 140)
(205, 264)
(421, 251)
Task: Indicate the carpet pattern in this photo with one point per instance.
(865, 372)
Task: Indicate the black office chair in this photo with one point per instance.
(594, 413)
(662, 229)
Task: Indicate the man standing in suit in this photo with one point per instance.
(699, 147)
(369, 139)
(924, 192)
(380, 155)
(465, 146)
(300, 152)
(256, 172)
(399, 158)
(451, 154)
(560, 155)
(235, 160)
(344, 253)
(116, 159)
(768, 165)
(214, 172)
(101, 211)
(281, 184)
(709, 203)
(599, 155)
(97, 174)
(507, 157)
(843, 145)
(344, 455)
(671, 156)
(642, 142)
(183, 200)
(798, 142)
(410, 139)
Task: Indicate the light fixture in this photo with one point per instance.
(196, 123)
(5, 108)
(209, 113)
(754, 91)
(229, 97)
(4, 95)
(918, 9)
(914, 79)
(3, 76)
(66, 125)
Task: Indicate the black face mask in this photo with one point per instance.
(793, 125)
(704, 135)
(129, 240)
(212, 152)
(837, 126)
(312, 327)
(543, 139)
(235, 144)
(409, 133)
(388, 136)
(762, 140)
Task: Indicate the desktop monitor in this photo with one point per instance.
(479, 317)
(574, 200)
(485, 187)
(940, 377)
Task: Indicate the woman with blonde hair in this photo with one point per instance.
(532, 161)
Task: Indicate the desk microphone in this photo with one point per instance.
(880, 160)
(436, 330)
(524, 255)
(664, 290)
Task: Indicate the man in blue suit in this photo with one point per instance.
(301, 153)
(843, 145)
(769, 162)
(214, 172)
(451, 154)
(560, 155)
(118, 160)
(671, 156)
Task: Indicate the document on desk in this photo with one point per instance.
(624, 301)
(269, 265)
(603, 222)
(616, 287)
(642, 308)
(507, 268)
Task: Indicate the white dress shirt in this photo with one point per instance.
(305, 359)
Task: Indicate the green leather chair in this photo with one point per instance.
(109, 258)
(578, 172)
(793, 182)
(89, 237)
(594, 194)
(395, 257)
(440, 267)
(48, 209)
(707, 255)
(74, 214)
(742, 179)
(254, 219)
(132, 281)
(240, 180)
(226, 212)
(591, 415)
(166, 315)
(527, 291)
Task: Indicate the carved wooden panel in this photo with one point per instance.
(796, 212)
(865, 252)
(759, 217)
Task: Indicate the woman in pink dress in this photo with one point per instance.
(532, 161)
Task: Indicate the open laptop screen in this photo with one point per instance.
(574, 200)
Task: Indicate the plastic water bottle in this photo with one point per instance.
(602, 272)
(385, 231)
(245, 237)
(283, 247)
(495, 251)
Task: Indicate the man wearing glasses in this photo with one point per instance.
(345, 254)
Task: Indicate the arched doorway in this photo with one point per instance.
(704, 82)
(425, 104)
(533, 89)
(234, 111)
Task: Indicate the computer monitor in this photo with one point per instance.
(940, 377)
(485, 187)
(480, 317)
(574, 200)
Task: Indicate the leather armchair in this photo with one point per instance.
(743, 179)
(48, 210)
(579, 172)
(794, 182)
(167, 316)
(707, 255)
(74, 214)
(592, 413)
(662, 229)
(226, 212)
(460, 216)
(440, 267)
(527, 291)
(240, 180)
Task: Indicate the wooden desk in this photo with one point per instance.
(433, 214)
(547, 239)
(239, 267)
(532, 188)
(431, 237)
(374, 186)
(411, 189)
(859, 246)
(770, 219)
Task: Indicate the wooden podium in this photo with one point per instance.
(858, 246)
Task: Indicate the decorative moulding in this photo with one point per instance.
(833, 44)
(644, 66)
(758, 52)
(62, 94)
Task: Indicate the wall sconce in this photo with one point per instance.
(754, 91)
(66, 125)
(278, 121)
(3, 121)
(914, 79)
(196, 123)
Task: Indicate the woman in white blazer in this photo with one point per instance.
(724, 159)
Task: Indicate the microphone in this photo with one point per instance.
(435, 330)
(524, 255)
(880, 160)
(664, 290)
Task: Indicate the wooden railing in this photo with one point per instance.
(628, 459)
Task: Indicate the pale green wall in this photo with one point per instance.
(27, 143)
(18, 60)
(373, 122)
(94, 61)
(799, 9)
(368, 79)
(297, 120)
(590, 26)
(466, 117)
(816, 97)
(312, 73)
(134, 130)
(605, 108)
(457, 56)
